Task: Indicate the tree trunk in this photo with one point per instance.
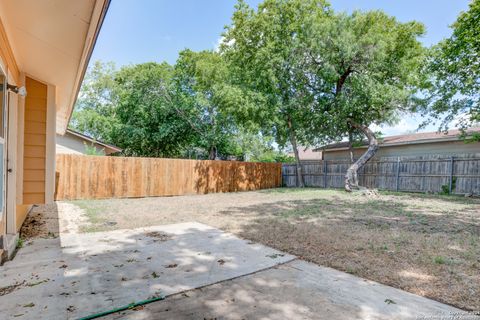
(350, 147)
(212, 154)
(351, 178)
(293, 141)
(352, 156)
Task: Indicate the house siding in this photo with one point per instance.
(70, 144)
(447, 148)
(34, 155)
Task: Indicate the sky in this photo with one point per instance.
(137, 31)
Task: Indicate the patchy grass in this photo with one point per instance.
(20, 243)
(425, 244)
(92, 210)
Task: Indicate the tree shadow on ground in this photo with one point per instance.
(433, 253)
(371, 213)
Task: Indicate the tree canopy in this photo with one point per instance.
(455, 70)
(201, 78)
(160, 110)
(324, 76)
(264, 50)
(95, 108)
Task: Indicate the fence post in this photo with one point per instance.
(451, 176)
(325, 173)
(398, 174)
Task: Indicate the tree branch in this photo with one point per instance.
(341, 81)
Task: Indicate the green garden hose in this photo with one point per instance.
(127, 307)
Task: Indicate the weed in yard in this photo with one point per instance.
(20, 243)
(439, 260)
(350, 270)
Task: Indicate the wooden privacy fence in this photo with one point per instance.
(93, 177)
(455, 175)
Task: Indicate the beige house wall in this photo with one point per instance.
(34, 154)
(71, 144)
(447, 148)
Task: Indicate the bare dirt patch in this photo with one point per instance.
(158, 236)
(425, 244)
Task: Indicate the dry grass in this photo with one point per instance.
(425, 244)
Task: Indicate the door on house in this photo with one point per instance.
(3, 120)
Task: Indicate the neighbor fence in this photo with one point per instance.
(97, 177)
(453, 175)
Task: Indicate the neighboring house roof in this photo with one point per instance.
(413, 138)
(93, 141)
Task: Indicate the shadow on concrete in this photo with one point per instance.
(76, 275)
(297, 290)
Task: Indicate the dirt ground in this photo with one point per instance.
(425, 244)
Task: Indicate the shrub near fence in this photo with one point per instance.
(450, 175)
(92, 177)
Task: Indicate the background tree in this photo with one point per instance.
(147, 123)
(256, 147)
(94, 112)
(200, 78)
(262, 48)
(455, 67)
(163, 111)
(363, 69)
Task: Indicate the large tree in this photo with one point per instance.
(201, 79)
(147, 123)
(263, 51)
(94, 112)
(161, 110)
(455, 67)
(364, 69)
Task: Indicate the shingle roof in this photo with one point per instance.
(412, 138)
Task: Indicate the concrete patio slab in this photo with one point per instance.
(76, 274)
(296, 290)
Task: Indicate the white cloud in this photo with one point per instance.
(220, 41)
(408, 123)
